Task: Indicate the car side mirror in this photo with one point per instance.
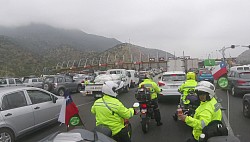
(54, 99)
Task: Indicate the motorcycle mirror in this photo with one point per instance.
(135, 105)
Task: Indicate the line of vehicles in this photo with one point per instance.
(43, 105)
(31, 106)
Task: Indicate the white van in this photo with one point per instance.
(125, 75)
(134, 79)
(240, 68)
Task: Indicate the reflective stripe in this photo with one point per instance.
(203, 124)
(108, 103)
(216, 107)
(102, 104)
(147, 85)
(189, 86)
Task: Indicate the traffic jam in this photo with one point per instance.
(60, 107)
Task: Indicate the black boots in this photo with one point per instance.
(159, 123)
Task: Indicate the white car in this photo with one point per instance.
(33, 82)
(170, 83)
(25, 109)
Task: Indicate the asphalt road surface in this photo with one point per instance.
(170, 131)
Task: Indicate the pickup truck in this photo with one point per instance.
(95, 88)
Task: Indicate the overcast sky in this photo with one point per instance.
(197, 27)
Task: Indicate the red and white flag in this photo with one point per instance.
(69, 110)
(219, 70)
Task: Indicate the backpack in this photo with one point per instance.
(215, 128)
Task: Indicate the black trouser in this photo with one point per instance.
(157, 113)
(122, 136)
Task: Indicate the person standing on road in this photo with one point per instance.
(208, 110)
(190, 83)
(109, 111)
(154, 88)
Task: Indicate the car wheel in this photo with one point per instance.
(6, 135)
(246, 108)
(233, 91)
(47, 86)
(79, 88)
(61, 92)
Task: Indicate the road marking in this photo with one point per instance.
(85, 104)
(226, 121)
(230, 130)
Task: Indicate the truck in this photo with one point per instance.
(191, 64)
(176, 64)
(119, 76)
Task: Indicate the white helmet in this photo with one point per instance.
(206, 86)
(110, 88)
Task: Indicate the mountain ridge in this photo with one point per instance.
(41, 47)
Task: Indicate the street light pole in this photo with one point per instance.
(222, 50)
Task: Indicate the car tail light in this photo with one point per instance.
(55, 85)
(241, 82)
(143, 106)
(161, 83)
(173, 74)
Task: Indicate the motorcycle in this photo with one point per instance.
(107, 131)
(143, 96)
(188, 109)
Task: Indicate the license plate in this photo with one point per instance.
(98, 95)
(143, 110)
(88, 92)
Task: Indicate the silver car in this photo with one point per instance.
(170, 83)
(33, 82)
(9, 82)
(24, 109)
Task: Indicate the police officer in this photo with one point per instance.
(111, 112)
(154, 100)
(190, 83)
(208, 110)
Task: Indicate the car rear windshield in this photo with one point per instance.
(115, 72)
(174, 77)
(26, 80)
(205, 72)
(245, 75)
(3, 81)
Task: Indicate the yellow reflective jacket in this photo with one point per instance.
(204, 114)
(189, 84)
(114, 120)
(154, 87)
(86, 82)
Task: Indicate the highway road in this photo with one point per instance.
(169, 131)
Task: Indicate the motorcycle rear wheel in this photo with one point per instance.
(144, 124)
